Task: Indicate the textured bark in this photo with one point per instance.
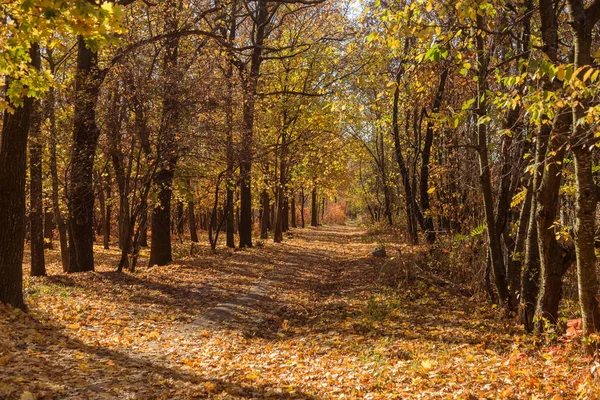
(582, 22)
(192, 222)
(60, 222)
(180, 218)
(48, 229)
(36, 215)
(88, 79)
(516, 259)
(553, 264)
(409, 200)
(285, 215)
(425, 157)
(293, 211)
(494, 243)
(261, 20)
(531, 267)
(264, 222)
(302, 202)
(13, 169)
(314, 210)
(160, 246)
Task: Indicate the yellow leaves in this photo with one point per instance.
(427, 365)
(153, 335)
(27, 396)
(74, 326)
(5, 359)
(252, 376)
(518, 198)
(210, 387)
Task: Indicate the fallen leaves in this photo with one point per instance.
(325, 329)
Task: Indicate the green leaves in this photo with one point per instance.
(436, 53)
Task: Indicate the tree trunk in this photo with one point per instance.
(192, 222)
(552, 263)
(495, 246)
(180, 218)
(314, 217)
(286, 215)
(88, 79)
(60, 222)
(13, 170)
(582, 22)
(48, 229)
(293, 211)
(425, 157)
(36, 215)
(144, 229)
(302, 201)
(160, 250)
(531, 267)
(411, 209)
(250, 90)
(266, 209)
(160, 246)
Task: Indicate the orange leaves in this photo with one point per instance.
(326, 329)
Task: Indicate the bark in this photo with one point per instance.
(264, 222)
(280, 212)
(425, 157)
(409, 199)
(302, 202)
(88, 79)
(192, 222)
(516, 259)
(531, 267)
(60, 222)
(13, 169)
(293, 211)
(160, 250)
(144, 230)
(261, 20)
(494, 243)
(553, 265)
(180, 218)
(48, 229)
(582, 22)
(36, 215)
(286, 215)
(314, 217)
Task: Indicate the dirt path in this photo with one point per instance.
(306, 319)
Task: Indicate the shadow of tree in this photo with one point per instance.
(45, 361)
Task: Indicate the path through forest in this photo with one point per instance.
(307, 319)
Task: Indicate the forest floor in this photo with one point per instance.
(312, 318)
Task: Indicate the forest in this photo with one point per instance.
(299, 199)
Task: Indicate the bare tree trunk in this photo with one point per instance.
(314, 217)
(48, 229)
(495, 246)
(582, 23)
(160, 250)
(13, 169)
(425, 157)
(36, 215)
(302, 202)
(60, 222)
(88, 80)
(266, 210)
(293, 210)
(192, 222)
